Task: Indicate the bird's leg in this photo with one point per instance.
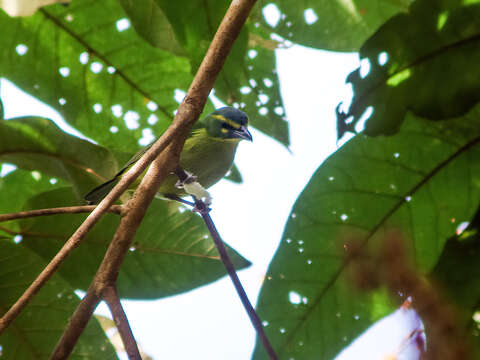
(189, 183)
(200, 206)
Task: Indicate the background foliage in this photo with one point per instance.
(116, 71)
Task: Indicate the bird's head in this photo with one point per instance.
(228, 123)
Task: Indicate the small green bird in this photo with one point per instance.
(208, 154)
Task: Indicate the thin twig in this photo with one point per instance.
(257, 324)
(117, 209)
(187, 114)
(110, 295)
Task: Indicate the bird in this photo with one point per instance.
(207, 155)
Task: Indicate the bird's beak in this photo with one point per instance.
(243, 133)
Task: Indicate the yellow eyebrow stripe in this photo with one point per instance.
(228, 121)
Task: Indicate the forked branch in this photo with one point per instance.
(170, 146)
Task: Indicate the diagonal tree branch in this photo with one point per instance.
(117, 209)
(257, 324)
(187, 114)
(88, 224)
(110, 295)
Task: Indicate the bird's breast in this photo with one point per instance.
(208, 159)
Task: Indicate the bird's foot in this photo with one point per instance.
(184, 178)
(192, 187)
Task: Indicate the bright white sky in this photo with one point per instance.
(210, 322)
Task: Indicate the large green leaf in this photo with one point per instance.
(87, 62)
(34, 334)
(327, 24)
(425, 62)
(34, 143)
(150, 22)
(249, 82)
(424, 181)
(171, 252)
(17, 187)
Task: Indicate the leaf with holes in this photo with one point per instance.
(425, 62)
(424, 181)
(87, 62)
(167, 257)
(34, 143)
(250, 82)
(35, 332)
(326, 24)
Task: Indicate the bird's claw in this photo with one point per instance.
(186, 181)
(192, 187)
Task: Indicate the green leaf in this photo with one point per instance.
(457, 272)
(35, 332)
(261, 79)
(242, 81)
(167, 257)
(17, 187)
(368, 186)
(34, 143)
(425, 62)
(151, 23)
(86, 62)
(234, 175)
(2, 114)
(328, 24)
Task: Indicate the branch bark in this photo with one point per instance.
(187, 114)
(110, 295)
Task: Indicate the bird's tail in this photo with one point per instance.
(97, 194)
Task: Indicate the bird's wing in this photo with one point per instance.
(134, 159)
(195, 129)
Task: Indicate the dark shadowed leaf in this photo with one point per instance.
(457, 272)
(171, 252)
(34, 143)
(425, 61)
(34, 334)
(423, 181)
